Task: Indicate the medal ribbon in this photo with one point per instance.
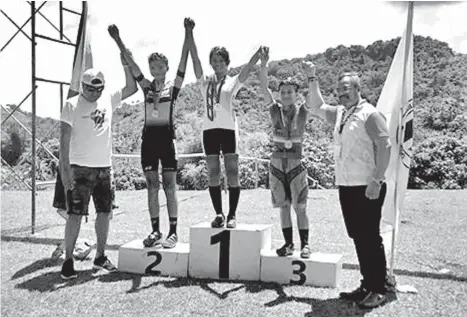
(294, 120)
(211, 93)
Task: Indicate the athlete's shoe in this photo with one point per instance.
(285, 250)
(68, 271)
(305, 253)
(357, 295)
(218, 222)
(231, 222)
(153, 239)
(104, 263)
(170, 242)
(372, 300)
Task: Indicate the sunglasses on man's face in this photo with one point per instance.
(94, 89)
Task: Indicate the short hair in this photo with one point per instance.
(354, 79)
(158, 57)
(222, 51)
(289, 81)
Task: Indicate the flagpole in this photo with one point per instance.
(408, 37)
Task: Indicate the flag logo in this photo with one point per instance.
(406, 150)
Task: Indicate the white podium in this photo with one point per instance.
(233, 254)
(133, 257)
(321, 269)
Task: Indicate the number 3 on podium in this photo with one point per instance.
(299, 272)
(223, 238)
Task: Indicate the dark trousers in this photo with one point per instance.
(362, 218)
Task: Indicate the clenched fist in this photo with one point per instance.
(189, 24)
(264, 55)
(310, 68)
(113, 31)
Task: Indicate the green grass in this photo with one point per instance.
(433, 236)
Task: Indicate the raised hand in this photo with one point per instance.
(189, 24)
(113, 31)
(264, 55)
(310, 68)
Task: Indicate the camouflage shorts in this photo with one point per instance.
(87, 182)
(59, 200)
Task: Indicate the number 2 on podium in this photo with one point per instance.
(149, 270)
(223, 238)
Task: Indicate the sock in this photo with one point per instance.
(288, 236)
(173, 225)
(234, 196)
(303, 236)
(155, 224)
(216, 197)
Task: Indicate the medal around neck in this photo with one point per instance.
(288, 144)
(155, 113)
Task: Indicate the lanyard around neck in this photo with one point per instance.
(294, 119)
(215, 93)
(343, 122)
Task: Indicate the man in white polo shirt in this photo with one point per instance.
(361, 152)
(85, 161)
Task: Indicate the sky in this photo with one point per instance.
(291, 29)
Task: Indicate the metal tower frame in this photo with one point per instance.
(34, 84)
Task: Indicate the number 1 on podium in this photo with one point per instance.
(223, 238)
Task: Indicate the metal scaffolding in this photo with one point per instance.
(34, 85)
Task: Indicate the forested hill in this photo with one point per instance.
(440, 90)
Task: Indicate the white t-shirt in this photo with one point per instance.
(224, 117)
(91, 122)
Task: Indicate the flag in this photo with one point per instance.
(83, 55)
(396, 103)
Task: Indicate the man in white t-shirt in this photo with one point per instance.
(362, 152)
(220, 128)
(85, 161)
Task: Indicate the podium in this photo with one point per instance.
(321, 269)
(243, 253)
(221, 253)
(134, 257)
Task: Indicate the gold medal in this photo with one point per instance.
(288, 144)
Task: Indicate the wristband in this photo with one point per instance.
(180, 74)
(379, 182)
(139, 78)
(312, 79)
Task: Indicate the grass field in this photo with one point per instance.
(431, 256)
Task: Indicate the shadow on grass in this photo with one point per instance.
(51, 281)
(319, 307)
(36, 266)
(430, 275)
(169, 282)
(341, 308)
